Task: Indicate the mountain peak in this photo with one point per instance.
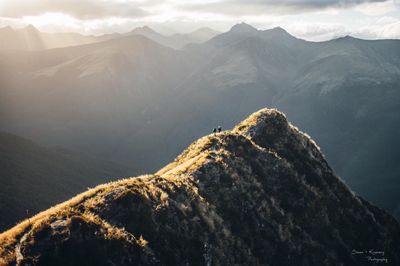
(144, 30)
(242, 196)
(30, 28)
(205, 30)
(243, 27)
(279, 29)
(270, 129)
(345, 38)
(260, 123)
(277, 32)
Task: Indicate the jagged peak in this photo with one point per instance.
(270, 129)
(267, 122)
(243, 28)
(266, 129)
(257, 123)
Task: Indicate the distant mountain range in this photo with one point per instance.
(31, 39)
(34, 178)
(176, 41)
(133, 100)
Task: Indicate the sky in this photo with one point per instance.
(314, 20)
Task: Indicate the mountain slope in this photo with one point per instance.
(344, 92)
(33, 178)
(259, 194)
(101, 90)
(134, 101)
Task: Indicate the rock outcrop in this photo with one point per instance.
(260, 194)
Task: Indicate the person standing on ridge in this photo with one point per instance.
(219, 129)
(214, 130)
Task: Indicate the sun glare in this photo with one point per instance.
(59, 20)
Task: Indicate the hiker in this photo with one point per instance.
(219, 129)
(214, 130)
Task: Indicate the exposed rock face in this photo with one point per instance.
(261, 194)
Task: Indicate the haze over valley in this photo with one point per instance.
(140, 132)
(138, 99)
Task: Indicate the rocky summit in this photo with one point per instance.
(260, 194)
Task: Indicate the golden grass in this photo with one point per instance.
(11, 236)
(189, 160)
(253, 119)
(196, 154)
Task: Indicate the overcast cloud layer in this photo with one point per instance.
(309, 19)
(259, 7)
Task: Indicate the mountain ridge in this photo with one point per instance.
(175, 41)
(30, 38)
(259, 194)
(145, 105)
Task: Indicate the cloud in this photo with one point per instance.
(97, 9)
(370, 19)
(317, 31)
(371, 28)
(382, 28)
(81, 9)
(255, 7)
(377, 8)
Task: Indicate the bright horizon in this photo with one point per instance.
(307, 19)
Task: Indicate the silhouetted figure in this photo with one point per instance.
(219, 129)
(214, 130)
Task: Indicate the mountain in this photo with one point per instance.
(100, 89)
(33, 177)
(203, 34)
(198, 36)
(344, 92)
(148, 32)
(175, 41)
(260, 194)
(134, 101)
(31, 39)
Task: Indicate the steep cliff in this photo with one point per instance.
(260, 194)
